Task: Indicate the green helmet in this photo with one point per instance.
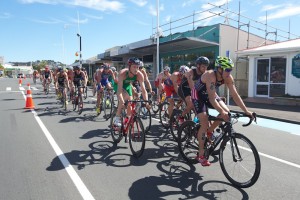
(224, 62)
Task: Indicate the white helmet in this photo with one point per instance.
(183, 69)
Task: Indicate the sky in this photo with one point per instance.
(47, 29)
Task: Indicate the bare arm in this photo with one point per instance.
(236, 97)
(190, 76)
(174, 78)
(140, 78)
(120, 86)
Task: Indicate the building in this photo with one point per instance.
(274, 70)
(182, 48)
(13, 71)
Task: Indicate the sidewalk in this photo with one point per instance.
(284, 113)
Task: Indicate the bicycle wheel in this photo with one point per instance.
(137, 137)
(239, 160)
(164, 115)
(188, 142)
(85, 92)
(80, 104)
(116, 132)
(174, 123)
(155, 105)
(145, 116)
(107, 107)
(47, 89)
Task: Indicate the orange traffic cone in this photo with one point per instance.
(20, 82)
(29, 101)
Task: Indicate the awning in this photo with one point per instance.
(171, 46)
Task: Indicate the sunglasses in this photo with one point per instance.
(228, 70)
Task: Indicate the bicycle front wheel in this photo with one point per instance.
(137, 138)
(188, 142)
(107, 107)
(145, 116)
(164, 115)
(239, 160)
(116, 132)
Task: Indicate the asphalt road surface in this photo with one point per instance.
(48, 153)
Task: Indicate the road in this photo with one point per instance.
(50, 154)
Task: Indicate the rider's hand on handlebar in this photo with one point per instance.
(224, 115)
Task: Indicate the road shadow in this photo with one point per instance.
(181, 181)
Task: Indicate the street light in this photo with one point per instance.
(80, 59)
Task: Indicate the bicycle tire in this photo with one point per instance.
(249, 153)
(188, 142)
(137, 138)
(80, 104)
(155, 105)
(145, 116)
(174, 124)
(107, 107)
(85, 93)
(164, 116)
(116, 132)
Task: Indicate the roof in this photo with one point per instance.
(286, 46)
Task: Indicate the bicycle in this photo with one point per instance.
(132, 127)
(164, 113)
(106, 102)
(234, 148)
(145, 114)
(76, 98)
(85, 89)
(63, 96)
(157, 105)
(47, 87)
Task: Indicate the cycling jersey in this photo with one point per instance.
(77, 79)
(169, 87)
(47, 74)
(184, 89)
(127, 82)
(105, 78)
(200, 96)
(61, 80)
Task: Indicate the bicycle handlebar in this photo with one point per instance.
(237, 115)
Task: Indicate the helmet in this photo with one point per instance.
(132, 61)
(113, 69)
(76, 68)
(70, 68)
(83, 69)
(166, 68)
(59, 68)
(183, 69)
(202, 60)
(106, 66)
(224, 62)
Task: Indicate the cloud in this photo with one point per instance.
(270, 7)
(152, 9)
(5, 15)
(140, 3)
(102, 5)
(50, 21)
(284, 11)
(80, 21)
(93, 16)
(188, 2)
(168, 18)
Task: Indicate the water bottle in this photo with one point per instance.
(125, 120)
(196, 120)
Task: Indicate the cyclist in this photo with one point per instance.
(62, 82)
(115, 82)
(34, 76)
(78, 79)
(161, 78)
(171, 86)
(103, 82)
(204, 95)
(136, 84)
(126, 77)
(47, 76)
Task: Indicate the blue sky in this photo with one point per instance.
(46, 29)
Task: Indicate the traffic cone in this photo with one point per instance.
(20, 82)
(29, 101)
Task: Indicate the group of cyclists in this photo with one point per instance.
(196, 86)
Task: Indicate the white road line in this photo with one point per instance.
(21, 88)
(85, 193)
(34, 88)
(8, 89)
(274, 158)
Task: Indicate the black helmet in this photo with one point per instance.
(202, 60)
(76, 67)
(133, 60)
